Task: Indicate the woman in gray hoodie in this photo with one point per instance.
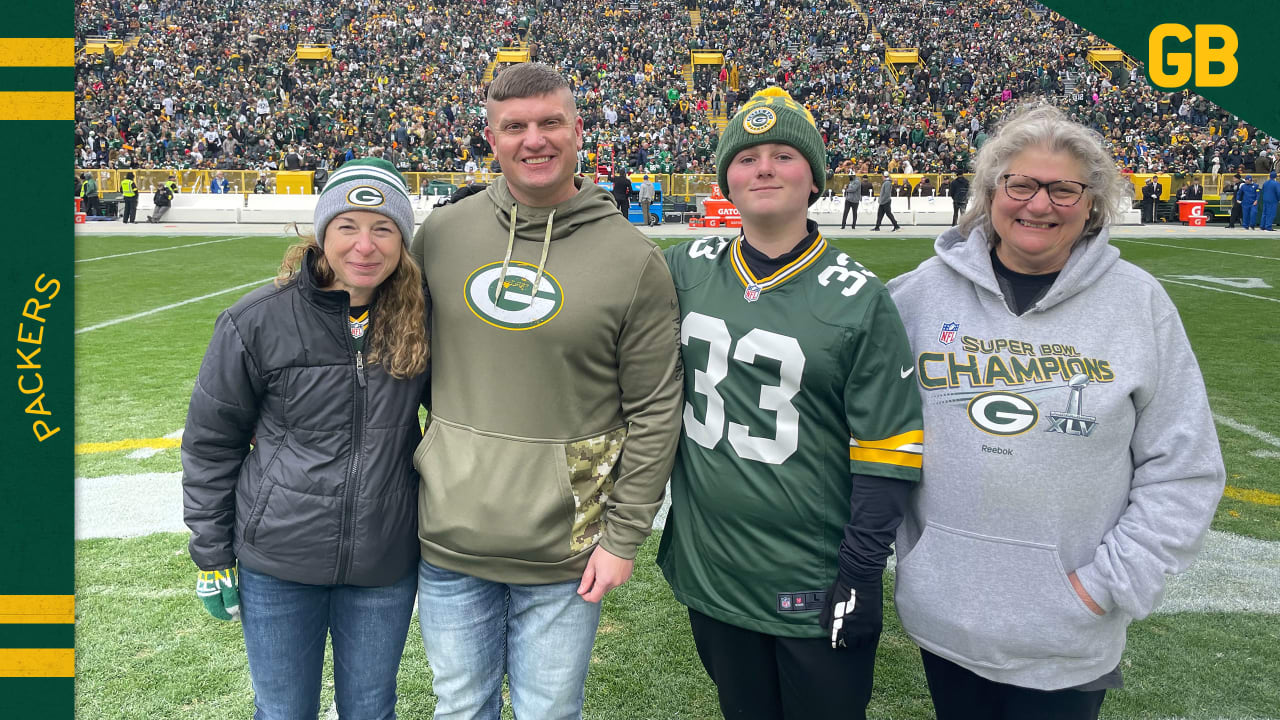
(1073, 464)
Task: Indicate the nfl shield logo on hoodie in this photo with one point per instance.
(948, 334)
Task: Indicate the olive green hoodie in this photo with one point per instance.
(555, 411)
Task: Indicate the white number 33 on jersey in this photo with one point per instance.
(841, 273)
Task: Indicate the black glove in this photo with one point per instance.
(854, 613)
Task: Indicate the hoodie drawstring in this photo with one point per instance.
(506, 259)
(542, 261)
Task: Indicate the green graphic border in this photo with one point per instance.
(37, 488)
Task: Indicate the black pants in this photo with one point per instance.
(91, 206)
(957, 206)
(959, 694)
(766, 677)
(131, 209)
(1237, 215)
(1148, 211)
(849, 206)
(884, 211)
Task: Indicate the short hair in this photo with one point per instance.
(1045, 126)
(526, 80)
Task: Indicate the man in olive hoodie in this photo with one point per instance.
(556, 400)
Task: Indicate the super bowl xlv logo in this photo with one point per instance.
(1072, 421)
(511, 301)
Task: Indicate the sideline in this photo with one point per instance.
(161, 309)
(174, 247)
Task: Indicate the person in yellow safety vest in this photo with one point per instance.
(129, 191)
(172, 185)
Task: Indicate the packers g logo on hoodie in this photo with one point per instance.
(520, 306)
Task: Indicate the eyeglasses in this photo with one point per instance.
(1063, 193)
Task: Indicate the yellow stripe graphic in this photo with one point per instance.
(100, 447)
(885, 457)
(40, 662)
(37, 105)
(911, 437)
(37, 52)
(1257, 497)
(37, 609)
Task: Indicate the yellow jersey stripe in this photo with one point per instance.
(37, 105)
(37, 52)
(737, 249)
(38, 662)
(743, 271)
(885, 457)
(37, 609)
(897, 442)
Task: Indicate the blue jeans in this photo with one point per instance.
(475, 631)
(285, 624)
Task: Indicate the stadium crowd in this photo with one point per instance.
(208, 87)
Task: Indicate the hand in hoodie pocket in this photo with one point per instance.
(994, 601)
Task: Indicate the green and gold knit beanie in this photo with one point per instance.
(771, 116)
(370, 184)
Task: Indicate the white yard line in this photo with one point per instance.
(1249, 430)
(175, 247)
(1221, 290)
(1266, 454)
(1195, 249)
(171, 306)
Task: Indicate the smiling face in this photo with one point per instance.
(536, 141)
(363, 248)
(1036, 236)
(770, 183)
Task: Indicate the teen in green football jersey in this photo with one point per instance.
(802, 436)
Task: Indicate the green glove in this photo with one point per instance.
(219, 590)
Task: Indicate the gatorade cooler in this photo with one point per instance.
(1191, 212)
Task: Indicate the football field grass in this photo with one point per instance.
(146, 649)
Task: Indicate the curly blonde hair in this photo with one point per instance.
(398, 340)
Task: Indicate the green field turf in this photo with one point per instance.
(146, 649)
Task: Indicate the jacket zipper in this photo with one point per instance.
(345, 544)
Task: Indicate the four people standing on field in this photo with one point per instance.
(575, 367)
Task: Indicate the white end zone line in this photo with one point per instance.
(175, 247)
(1195, 249)
(1222, 290)
(171, 306)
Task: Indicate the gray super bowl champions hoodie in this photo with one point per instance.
(1074, 437)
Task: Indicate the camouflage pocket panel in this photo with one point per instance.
(591, 463)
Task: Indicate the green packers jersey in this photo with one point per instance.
(792, 382)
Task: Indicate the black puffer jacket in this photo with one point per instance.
(329, 493)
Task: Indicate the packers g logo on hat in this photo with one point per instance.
(759, 120)
(365, 196)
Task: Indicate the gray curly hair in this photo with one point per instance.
(1046, 126)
